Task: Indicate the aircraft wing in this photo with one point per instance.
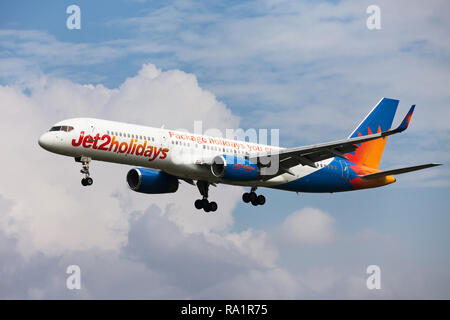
(399, 171)
(308, 155)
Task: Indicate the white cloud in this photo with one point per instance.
(308, 226)
(256, 245)
(257, 284)
(152, 90)
(50, 220)
(51, 212)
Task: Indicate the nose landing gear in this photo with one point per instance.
(253, 197)
(87, 180)
(203, 203)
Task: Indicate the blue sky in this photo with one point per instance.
(309, 68)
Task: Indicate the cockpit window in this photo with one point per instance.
(58, 128)
(66, 128)
(61, 128)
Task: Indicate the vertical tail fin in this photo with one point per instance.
(378, 120)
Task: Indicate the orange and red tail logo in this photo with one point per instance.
(369, 153)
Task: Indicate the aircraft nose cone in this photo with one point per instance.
(45, 141)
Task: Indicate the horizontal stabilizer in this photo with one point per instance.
(398, 171)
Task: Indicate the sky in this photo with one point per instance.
(311, 69)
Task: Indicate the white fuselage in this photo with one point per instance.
(181, 154)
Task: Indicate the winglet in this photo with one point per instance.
(406, 120)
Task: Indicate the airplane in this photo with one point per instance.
(163, 157)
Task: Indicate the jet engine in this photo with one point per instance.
(151, 181)
(234, 168)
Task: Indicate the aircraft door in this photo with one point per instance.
(164, 145)
(91, 131)
(164, 140)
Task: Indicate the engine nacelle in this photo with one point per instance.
(234, 168)
(151, 181)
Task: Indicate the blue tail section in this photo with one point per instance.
(380, 117)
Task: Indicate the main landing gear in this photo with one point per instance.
(87, 180)
(203, 203)
(253, 198)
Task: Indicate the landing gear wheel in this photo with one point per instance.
(246, 197)
(198, 204)
(213, 206)
(261, 199)
(89, 181)
(84, 182)
(203, 187)
(253, 198)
